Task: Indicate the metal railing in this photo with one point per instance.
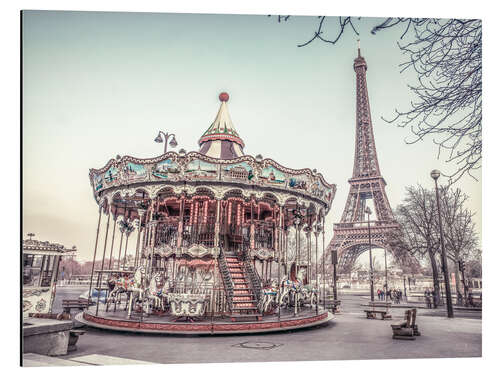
(226, 278)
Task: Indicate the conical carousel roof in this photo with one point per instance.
(221, 140)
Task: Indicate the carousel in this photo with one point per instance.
(208, 242)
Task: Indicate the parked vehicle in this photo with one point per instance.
(95, 294)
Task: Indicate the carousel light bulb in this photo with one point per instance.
(182, 152)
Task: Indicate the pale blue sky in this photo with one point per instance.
(100, 84)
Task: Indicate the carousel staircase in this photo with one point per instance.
(244, 303)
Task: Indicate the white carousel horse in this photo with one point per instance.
(269, 296)
(136, 289)
(154, 291)
(309, 295)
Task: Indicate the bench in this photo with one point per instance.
(381, 308)
(408, 329)
(69, 304)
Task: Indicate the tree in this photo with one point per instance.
(419, 235)
(459, 230)
(446, 55)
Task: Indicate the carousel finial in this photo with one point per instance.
(223, 96)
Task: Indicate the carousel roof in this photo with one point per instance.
(221, 140)
(34, 246)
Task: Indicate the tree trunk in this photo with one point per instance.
(435, 278)
(458, 278)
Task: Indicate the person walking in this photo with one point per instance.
(427, 296)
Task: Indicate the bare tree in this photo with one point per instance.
(459, 230)
(418, 235)
(446, 55)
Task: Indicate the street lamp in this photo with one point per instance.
(368, 212)
(166, 136)
(435, 175)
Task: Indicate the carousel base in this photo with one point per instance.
(167, 324)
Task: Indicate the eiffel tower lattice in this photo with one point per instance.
(350, 236)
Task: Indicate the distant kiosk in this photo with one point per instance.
(40, 269)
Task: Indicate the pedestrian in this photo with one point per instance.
(378, 294)
(427, 296)
(382, 294)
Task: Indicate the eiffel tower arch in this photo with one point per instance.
(351, 234)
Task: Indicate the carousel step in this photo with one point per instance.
(245, 317)
(244, 307)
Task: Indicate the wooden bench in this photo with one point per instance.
(381, 308)
(69, 304)
(408, 329)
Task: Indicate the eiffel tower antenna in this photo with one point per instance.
(350, 236)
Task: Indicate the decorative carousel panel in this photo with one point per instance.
(167, 169)
(318, 190)
(36, 300)
(272, 176)
(183, 304)
(239, 172)
(299, 182)
(163, 251)
(111, 176)
(200, 251)
(198, 169)
(134, 172)
(262, 254)
(98, 182)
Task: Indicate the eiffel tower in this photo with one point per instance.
(350, 236)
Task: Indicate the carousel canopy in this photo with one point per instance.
(221, 140)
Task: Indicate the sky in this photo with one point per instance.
(98, 84)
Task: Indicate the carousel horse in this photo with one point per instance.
(269, 296)
(136, 289)
(117, 286)
(153, 292)
(309, 295)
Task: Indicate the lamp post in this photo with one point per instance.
(368, 212)
(166, 136)
(435, 175)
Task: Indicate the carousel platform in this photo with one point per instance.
(167, 324)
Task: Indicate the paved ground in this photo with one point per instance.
(349, 336)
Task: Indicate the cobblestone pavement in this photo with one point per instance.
(349, 336)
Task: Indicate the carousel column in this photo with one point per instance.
(153, 243)
(141, 212)
(252, 225)
(110, 263)
(316, 234)
(180, 228)
(99, 277)
(308, 239)
(217, 222)
(324, 274)
(122, 229)
(280, 254)
(286, 251)
(129, 229)
(95, 252)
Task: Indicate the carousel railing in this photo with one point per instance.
(226, 277)
(203, 234)
(255, 280)
(166, 233)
